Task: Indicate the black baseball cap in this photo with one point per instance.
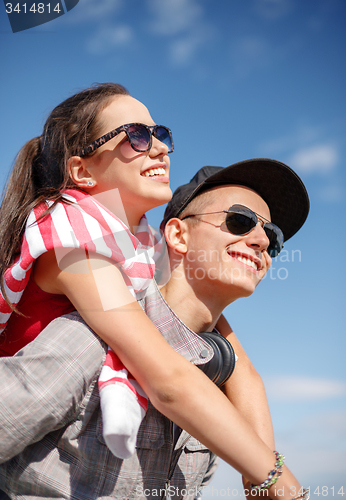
(279, 186)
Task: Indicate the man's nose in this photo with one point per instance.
(257, 238)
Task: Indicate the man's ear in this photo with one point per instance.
(176, 235)
(79, 173)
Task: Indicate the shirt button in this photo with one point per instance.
(204, 353)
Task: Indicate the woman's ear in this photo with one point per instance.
(79, 173)
(176, 235)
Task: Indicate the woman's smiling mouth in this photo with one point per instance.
(154, 172)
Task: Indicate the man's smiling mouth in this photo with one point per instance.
(248, 262)
(255, 264)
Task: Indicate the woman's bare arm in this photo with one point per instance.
(175, 387)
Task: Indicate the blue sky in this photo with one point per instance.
(233, 80)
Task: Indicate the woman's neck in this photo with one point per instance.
(112, 201)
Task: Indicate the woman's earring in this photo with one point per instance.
(90, 183)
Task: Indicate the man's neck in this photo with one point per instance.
(194, 310)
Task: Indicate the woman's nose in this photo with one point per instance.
(158, 148)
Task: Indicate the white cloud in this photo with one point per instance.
(308, 150)
(180, 24)
(250, 48)
(174, 17)
(301, 137)
(320, 158)
(335, 422)
(111, 36)
(332, 193)
(249, 53)
(325, 463)
(315, 452)
(183, 50)
(93, 10)
(315, 449)
(297, 388)
(273, 9)
(183, 24)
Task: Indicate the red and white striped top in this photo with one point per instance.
(86, 224)
(82, 222)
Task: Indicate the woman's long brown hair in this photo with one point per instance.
(40, 169)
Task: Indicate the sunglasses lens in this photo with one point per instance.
(239, 222)
(276, 239)
(164, 135)
(139, 137)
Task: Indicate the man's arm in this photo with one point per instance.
(44, 384)
(245, 389)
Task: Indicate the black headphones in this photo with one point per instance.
(221, 366)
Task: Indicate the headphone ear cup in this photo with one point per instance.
(227, 356)
(212, 368)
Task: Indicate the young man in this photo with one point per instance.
(51, 432)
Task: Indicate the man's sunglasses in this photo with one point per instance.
(139, 135)
(241, 220)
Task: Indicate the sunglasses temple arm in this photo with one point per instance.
(100, 141)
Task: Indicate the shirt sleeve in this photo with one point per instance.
(209, 474)
(43, 386)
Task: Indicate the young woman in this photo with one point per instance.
(99, 165)
(49, 191)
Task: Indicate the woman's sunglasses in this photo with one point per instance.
(139, 135)
(241, 220)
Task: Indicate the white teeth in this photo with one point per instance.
(248, 262)
(154, 171)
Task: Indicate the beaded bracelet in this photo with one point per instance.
(273, 475)
(304, 496)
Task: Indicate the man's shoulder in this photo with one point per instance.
(70, 335)
(183, 340)
(53, 378)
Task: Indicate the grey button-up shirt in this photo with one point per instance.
(51, 442)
